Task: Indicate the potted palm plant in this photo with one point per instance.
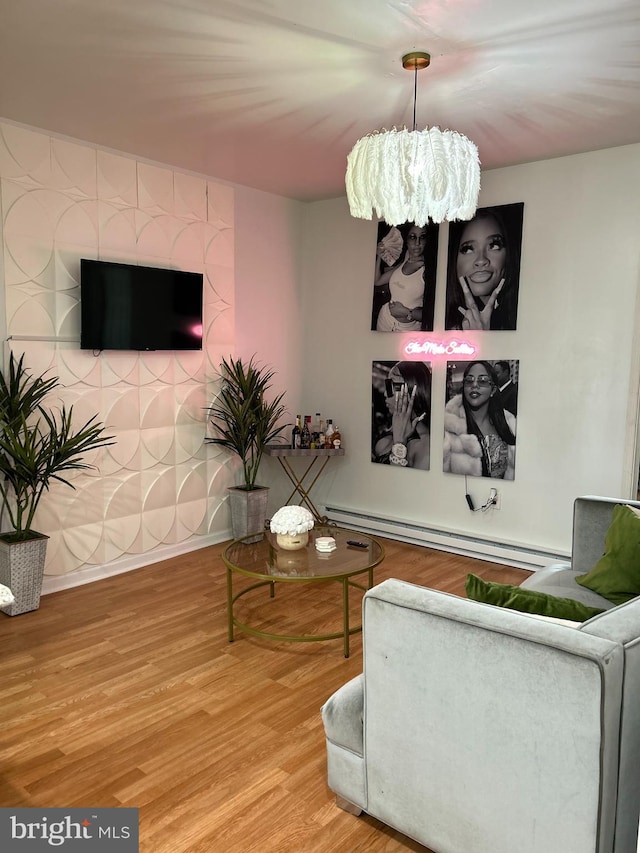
(244, 422)
(37, 446)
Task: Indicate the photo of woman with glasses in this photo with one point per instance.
(479, 433)
(405, 278)
(401, 414)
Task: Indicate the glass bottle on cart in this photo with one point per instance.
(296, 435)
(306, 433)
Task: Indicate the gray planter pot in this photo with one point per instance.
(248, 511)
(22, 570)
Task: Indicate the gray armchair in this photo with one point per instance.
(475, 729)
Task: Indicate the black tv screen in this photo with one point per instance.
(126, 307)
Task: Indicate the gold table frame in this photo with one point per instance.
(283, 452)
(260, 560)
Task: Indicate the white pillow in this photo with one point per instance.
(6, 596)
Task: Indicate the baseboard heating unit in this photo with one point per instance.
(516, 554)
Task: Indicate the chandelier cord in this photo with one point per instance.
(415, 92)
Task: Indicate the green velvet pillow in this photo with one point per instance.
(528, 600)
(616, 575)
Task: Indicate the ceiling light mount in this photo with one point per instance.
(417, 60)
(411, 175)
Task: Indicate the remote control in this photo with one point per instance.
(357, 544)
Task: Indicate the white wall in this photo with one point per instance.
(159, 489)
(268, 304)
(575, 341)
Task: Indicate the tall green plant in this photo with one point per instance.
(37, 445)
(242, 418)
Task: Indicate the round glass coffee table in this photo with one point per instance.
(271, 565)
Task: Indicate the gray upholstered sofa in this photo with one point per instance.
(591, 520)
(475, 729)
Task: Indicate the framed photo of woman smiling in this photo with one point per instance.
(483, 269)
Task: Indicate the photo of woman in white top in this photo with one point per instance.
(404, 283)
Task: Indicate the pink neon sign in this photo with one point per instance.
(439, 348)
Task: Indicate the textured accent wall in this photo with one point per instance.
(159, 485)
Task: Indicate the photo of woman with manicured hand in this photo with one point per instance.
(483, 272)
(401, 414)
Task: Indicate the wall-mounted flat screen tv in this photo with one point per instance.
(126, 307)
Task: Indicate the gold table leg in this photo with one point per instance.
(230, 603)
(298, 482)
(345, 614)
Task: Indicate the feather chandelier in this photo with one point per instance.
(413, 176)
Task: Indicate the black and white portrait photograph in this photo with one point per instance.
(483, 269)
(480, 418)
(404, 283)
(401, 413)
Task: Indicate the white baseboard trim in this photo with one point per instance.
(517, 554)
(56, 583)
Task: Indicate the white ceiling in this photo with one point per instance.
(274, 93)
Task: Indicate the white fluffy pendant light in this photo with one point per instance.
(413, 176)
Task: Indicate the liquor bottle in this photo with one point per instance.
(336, 439)
(320, 442)
(296, 435)
(317, 434)
(306, 433)
(328, 435)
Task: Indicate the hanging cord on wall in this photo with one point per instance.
(491, 500)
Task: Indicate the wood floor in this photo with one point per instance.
(125, 692)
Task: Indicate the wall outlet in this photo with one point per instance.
(497, 500)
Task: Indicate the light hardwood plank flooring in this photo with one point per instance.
(125, 692)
